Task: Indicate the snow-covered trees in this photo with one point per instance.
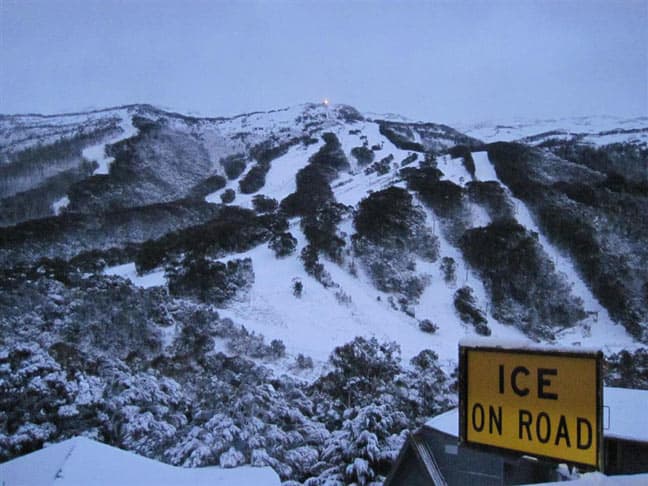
(390, 234)
(209, 281)
(522, 280)
(182, 402)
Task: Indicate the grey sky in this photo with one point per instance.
(437, 61)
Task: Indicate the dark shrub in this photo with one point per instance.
(466, 307)
(234, 229)
(313, 181)
(363, 155)
(524, 286)
(331, 154)
(228, 196)
(234, 165)
(382, 167)
(298, 288)
(313, 267)
(209, 281)
(394, 133)
(627, 369)
(277, 349)
(320, 229)
(209, 185)
(254, 179)
(263, 204)
(313, 191)
(304, 362)
(449, 268)
(385, 214)
(409, 159)
(349, 114)
(426, 325)
(283, 244)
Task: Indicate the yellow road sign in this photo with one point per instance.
(537, 402)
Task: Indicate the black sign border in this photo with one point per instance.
(463, 401)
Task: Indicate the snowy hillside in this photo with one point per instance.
(594, 130)
(288, 288)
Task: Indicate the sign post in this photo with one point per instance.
(540, 402)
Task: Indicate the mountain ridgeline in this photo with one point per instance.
(287, 288)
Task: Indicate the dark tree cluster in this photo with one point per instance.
(596, 217)
(491, 196)
(400, 136)
(620, 158)
(521, 279)
(283, 244)
(390, 232)
(381, 167)
(363, 155)
(209, 185)
(228, 196)
(264, 204)
(627, 369)
(466, 306)
(233, 230)
(411, 158)
(210, 281)
(314, 180)
(234, 165)
(68, 235)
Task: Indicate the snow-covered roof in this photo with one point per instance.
(626, 418)
(476, 342)
(81, 461)
(447, 422)
(598, 479)
(623, 415)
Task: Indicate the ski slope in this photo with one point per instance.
(598, 329)
(318, 321)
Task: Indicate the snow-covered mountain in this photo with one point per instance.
(138, 232)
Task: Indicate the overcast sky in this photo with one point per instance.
(436, 61)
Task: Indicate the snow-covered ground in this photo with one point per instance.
(318, 321)
(597, 130)
(84, 462)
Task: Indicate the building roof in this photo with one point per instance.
(598, 479)
(81, 461)
(623, 415)
(626, 418)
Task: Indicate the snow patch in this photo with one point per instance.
(453, 170)
(97, 153)
(60, 204)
